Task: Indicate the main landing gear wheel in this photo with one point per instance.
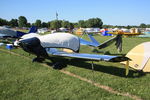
(59, 65)
(38, 60)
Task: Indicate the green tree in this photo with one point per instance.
(13, 23)
(94, 22)
(142, 25)
(82, 24)
(44, 24)
(3, 22)
(65, 24)
(55, 24)
(75, 25)
(38, 23)
(148, 25)
(22, 22)
(71, 26)
(49, 24)
(108, 26)
(128, 27)
(28, 24)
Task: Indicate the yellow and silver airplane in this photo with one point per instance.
(132, 33)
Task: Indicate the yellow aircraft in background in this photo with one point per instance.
(133, 32)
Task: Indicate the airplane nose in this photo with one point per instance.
(33, 45)
(30, 41)
(25, 45)
(30, 44)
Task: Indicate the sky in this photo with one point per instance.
(112, 12)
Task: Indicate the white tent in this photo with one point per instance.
(140, 57)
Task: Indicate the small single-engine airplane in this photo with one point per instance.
(44, 47)
(124, 33)
(8, 35)
(93, 42)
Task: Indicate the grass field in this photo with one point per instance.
(22, 79)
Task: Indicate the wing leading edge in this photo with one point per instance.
(86, 56)
(91, 57)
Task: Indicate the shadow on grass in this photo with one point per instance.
(107, 69)
(107, 52)
(95, 50)
(97, 67)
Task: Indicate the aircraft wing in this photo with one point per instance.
(118, 43)
(92, 57)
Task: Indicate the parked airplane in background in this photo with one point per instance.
(10, 33)
(45, 47)
(125, 33)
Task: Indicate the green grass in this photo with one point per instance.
(23, 30)
(22, 79)
(26, 31)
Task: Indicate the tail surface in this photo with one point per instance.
(95, 43)
(33, 29)
(93, 40)
(118, 43)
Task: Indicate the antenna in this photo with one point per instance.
(56, 15)
(56, 21)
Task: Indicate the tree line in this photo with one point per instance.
(142, 25)
(55, 24)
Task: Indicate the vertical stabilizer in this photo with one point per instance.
(33, 29)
